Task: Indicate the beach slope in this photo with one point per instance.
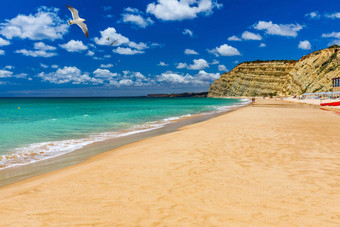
(268, 164)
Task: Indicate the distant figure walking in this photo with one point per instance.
(253, 100)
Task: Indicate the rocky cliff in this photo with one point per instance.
(312, 73)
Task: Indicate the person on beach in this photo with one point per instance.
(253, 100)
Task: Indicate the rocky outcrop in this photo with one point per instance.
(312, 73)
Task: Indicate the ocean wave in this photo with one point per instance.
(45, 150)
(244, 102)
(41, 151)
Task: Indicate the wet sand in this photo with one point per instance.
(268, 164)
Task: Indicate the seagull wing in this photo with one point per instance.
(84, 28)
(73, 11)
(113, 42)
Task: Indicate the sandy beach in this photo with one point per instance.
(269, 164)
(316, 102)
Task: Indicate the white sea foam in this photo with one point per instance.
(45, 150)
(243, 102)
(171, 119)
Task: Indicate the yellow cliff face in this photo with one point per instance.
(312, 73)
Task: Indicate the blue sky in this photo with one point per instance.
(163, 46)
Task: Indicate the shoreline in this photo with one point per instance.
(266, 164)
(18, 173)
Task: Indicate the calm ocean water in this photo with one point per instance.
(33, 129)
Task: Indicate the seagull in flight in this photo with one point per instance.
(108, 39)
(113, 42)
(77, 20)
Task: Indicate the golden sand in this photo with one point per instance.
(316, 102)
(263, 165)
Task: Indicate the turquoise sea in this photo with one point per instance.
(33, 129)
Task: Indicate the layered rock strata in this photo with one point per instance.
(312, 73)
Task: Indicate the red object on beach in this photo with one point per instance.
(330, 104)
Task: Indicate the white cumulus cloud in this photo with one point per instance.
(262, 45)
(127, 51)
(4, 42)
(128, 47)
(198, 64)
(201, 78)
(188, 32)
(45, 24)
(270, 28)
(224, 50)
(43, 66)
(43, 46)
(137, 79)
(334, 15)
(190, 52)
(222, 68)
(112, 34)
(162, 64)
(313, 15)
(133, 75)
(305, 45)
(90, 53)
(171, 10)
(74, 46)
(7, 74)
(69, 74)
(170, 77)
(2, 52)
(137, 19)
(135, 16)
(251, 36)
(331, 35)
(181, 65)
(215, 62)
(106, 65)
(125, 82)
(335, 35)
(234, 38)
(41, 50)
(104, 74)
